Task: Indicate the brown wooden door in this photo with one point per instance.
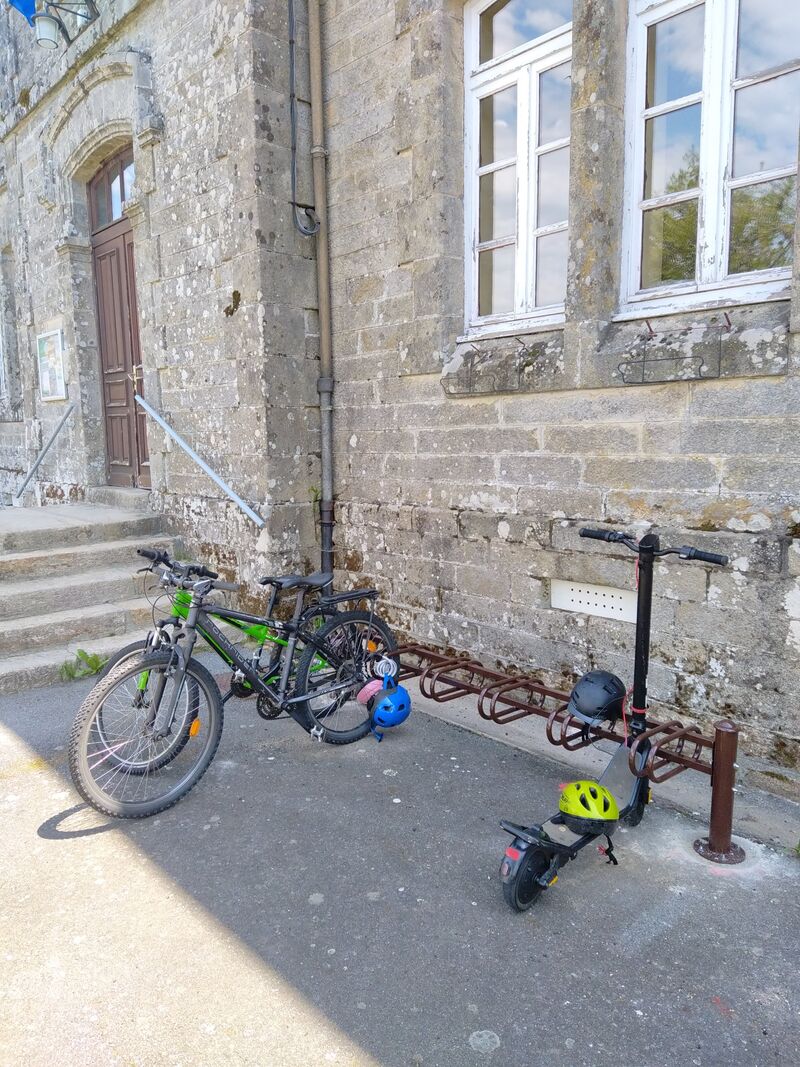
(118, 325)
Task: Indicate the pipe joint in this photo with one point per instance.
(319, 151)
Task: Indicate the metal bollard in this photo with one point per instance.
(718, 846)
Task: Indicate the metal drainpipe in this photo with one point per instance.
(319, 156)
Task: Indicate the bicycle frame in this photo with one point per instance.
(198, 621)
(257, 627)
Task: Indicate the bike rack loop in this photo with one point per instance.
(671, 747)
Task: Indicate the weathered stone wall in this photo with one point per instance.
(464, 470)
(226, 287)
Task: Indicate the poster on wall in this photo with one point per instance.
(51, 366)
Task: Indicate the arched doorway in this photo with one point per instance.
(118, 322)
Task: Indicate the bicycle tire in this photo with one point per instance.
(346, 636)
(131, 651)
(82, 762)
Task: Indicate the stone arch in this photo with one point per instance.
(102, 142)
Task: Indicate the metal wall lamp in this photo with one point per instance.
(49, 26)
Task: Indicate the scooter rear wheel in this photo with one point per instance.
(523, 890)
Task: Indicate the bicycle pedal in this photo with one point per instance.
(317, 733)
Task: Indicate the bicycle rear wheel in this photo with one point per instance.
(127, 757)
(351, 644)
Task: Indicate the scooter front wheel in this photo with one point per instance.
(522, 889)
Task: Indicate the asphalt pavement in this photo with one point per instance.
(311, 905)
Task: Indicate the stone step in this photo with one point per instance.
(19, 566)
(120, 497)
(62, 525)
(68, 592)
(36, 669)
(84, 627)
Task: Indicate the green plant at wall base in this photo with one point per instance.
(315, 494)
(84, 665)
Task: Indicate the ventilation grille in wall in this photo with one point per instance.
(599, 600)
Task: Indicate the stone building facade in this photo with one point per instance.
(645, 372)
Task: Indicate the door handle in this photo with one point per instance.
(137, 376)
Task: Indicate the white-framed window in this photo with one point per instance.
(713, 111)
(517, 108)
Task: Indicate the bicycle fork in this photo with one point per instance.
(177, 670)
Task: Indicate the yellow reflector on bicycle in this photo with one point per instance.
(372, 646)
(194, 729)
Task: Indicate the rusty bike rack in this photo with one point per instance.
(661, 752)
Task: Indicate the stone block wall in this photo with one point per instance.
(226, 286)
(465, 468)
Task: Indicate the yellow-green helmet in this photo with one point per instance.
(588, 808)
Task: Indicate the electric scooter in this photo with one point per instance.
(537, 852)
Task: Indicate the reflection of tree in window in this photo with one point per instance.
(670, 233)
(762, 225)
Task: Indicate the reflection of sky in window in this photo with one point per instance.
(766, 124)
(553, 187)
(554, 91)
(499, 126)
(769, 34)
(551, 268)
(675, 57)
(511, 23)
(496, 281)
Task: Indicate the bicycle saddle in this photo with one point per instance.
(296, 581)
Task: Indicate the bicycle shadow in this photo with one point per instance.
(52, 829)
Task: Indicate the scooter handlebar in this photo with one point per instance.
(687, 552)
(602, 535)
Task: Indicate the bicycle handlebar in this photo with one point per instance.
(156, 555)
(159, 556)
(685, 552)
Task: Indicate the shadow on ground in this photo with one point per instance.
(365, 877)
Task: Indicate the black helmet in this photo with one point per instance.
(598, 696)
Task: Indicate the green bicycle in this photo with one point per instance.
(150, 728)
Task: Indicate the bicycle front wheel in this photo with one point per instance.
(145, 735)
(350, 645)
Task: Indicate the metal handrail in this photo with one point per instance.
(43, 453)
(201, 463)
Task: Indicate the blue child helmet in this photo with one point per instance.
(390, 706)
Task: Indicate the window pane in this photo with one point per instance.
(128, 178)
(769, 34)
(551, 269)
(765, 130)
(100, 205)
(496, 281)
(762, 225)
(553, 189)
(498, 204)
(675, 57)
(510, 23)
(499, 126)
(672, 152)
(116, 198)
(554, 90)
(669, 240)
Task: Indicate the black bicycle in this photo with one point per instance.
(149, 730)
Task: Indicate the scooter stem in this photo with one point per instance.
(648, 546)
